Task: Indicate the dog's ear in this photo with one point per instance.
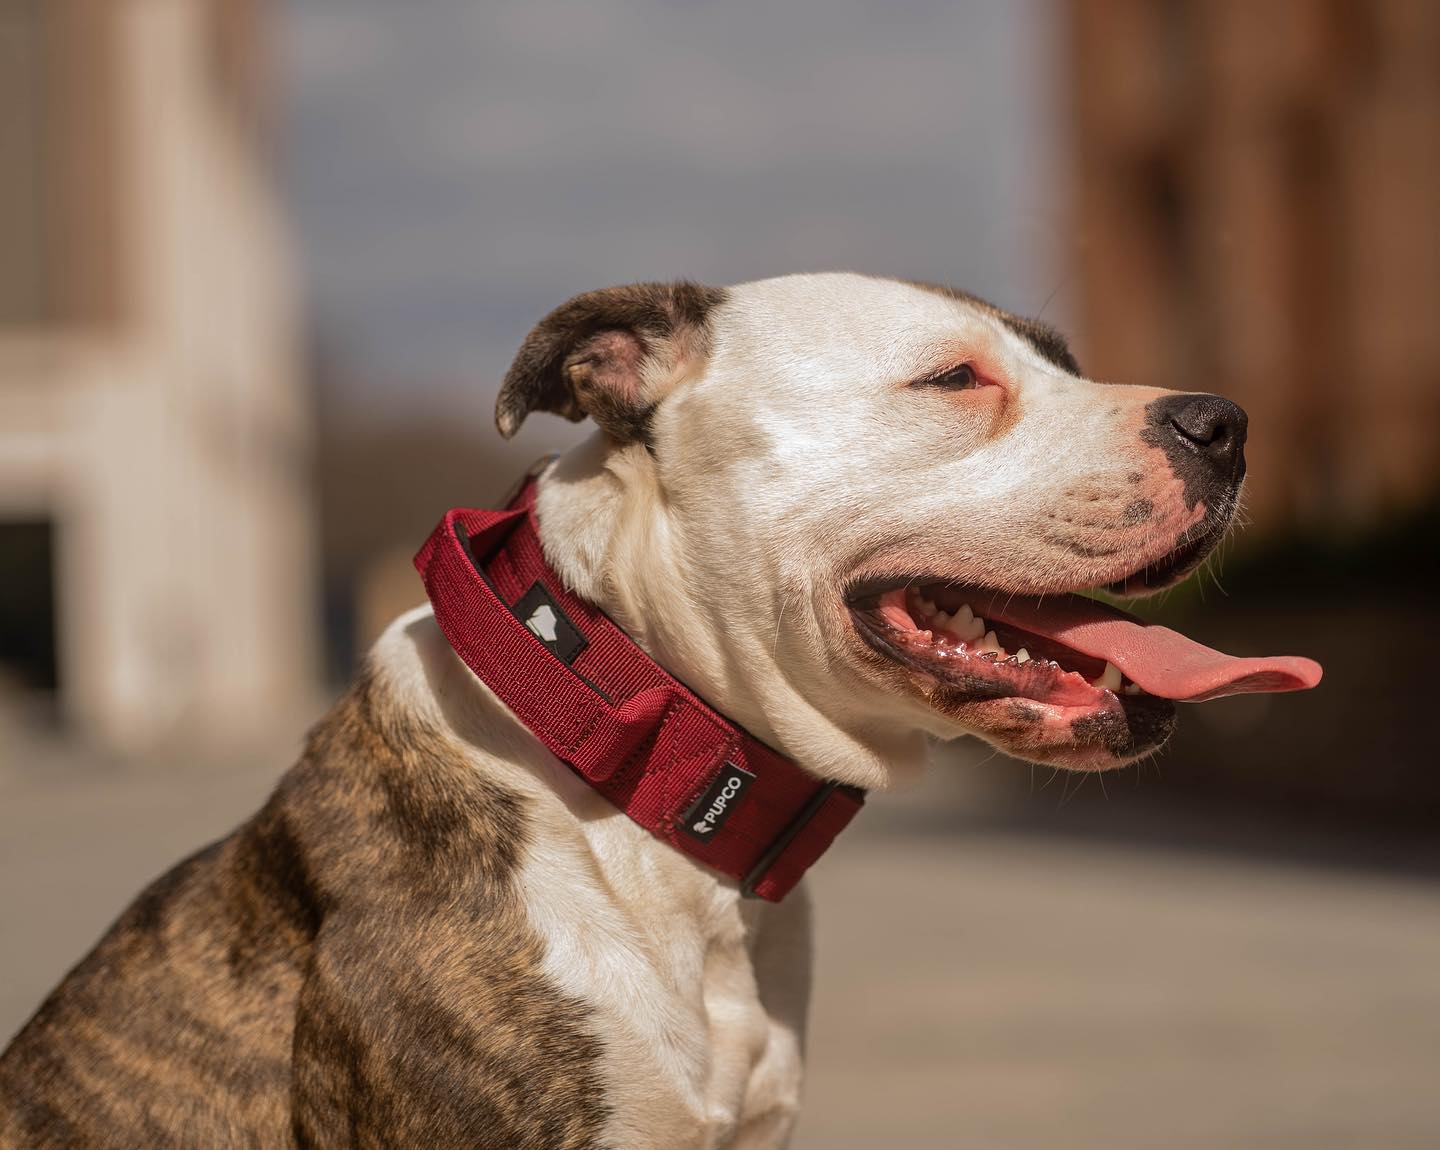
(608, 354)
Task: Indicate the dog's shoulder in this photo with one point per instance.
(356, 951)
(428, 983)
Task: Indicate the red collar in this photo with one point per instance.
(599, 703)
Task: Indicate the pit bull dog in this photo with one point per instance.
(824, 521)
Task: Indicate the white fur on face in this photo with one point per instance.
(798, 458)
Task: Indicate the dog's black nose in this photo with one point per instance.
(1203, 436)
(1215, 426)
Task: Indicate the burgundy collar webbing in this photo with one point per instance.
(599, 703)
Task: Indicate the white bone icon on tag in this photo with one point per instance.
(542, 622)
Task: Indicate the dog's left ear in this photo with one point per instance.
(609, 354)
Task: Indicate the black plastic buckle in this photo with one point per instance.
(787, 836)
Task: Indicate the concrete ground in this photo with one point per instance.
(1008, 979)
(1007, 990)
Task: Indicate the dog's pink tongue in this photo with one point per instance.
(1159, 660)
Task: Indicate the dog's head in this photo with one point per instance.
(849, 509)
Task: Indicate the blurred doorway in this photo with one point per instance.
(28, 655)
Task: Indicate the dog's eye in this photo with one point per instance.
(960, 378)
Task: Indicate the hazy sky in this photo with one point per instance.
(458, 168)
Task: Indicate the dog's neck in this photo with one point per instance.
(606, 529)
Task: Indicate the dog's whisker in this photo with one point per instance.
(779, 618)
(1067, 795)
(1064, 279)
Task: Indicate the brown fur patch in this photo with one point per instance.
(586, 356)
(1046, 340)
(351, 967)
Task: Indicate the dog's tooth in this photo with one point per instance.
(965, 616)
(991, 643)
(1132, 688)
(1022, 656)
(1108, 679)
(940, 621)
(975, 630)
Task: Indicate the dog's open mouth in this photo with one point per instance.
(1060, 676)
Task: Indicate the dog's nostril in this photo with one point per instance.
(1209, 423)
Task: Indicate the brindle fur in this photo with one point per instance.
(352, 967)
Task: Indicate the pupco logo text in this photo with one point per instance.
(711, 809)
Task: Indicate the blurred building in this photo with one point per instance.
(1255, 189)
(1256, 194)
(154, 506)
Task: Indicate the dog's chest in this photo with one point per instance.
(698, 997)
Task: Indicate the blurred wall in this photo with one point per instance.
(1255, 197)
(153, 427)
(1254, 193)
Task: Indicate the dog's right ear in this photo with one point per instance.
(610, 354)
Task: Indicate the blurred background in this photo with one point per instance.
(263, 264)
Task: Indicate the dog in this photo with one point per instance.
(846, 513)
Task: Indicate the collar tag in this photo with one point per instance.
(716, 803)
(547, 621)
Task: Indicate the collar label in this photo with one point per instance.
(719, 800)
(546, 620)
